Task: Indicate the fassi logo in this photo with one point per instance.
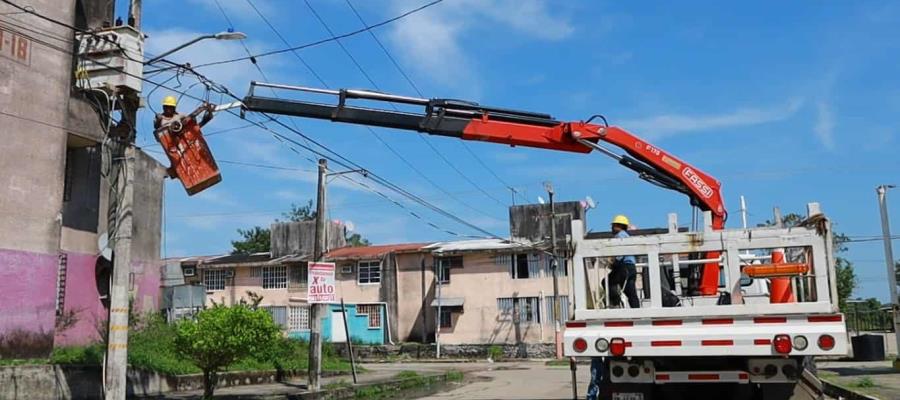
(698, 182)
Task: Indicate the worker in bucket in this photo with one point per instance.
(170, 114)
(623, 272)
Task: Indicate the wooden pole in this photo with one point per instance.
(349, 342)
(317, 310)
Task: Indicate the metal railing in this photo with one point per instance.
(869, 321)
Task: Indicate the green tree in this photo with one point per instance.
(356, 240)
(301, 213)
(221, 335)
(253, 240)
(846, 277)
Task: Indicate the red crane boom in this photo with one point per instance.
(472, 121)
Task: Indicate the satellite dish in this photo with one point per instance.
(541, 200)
(590, 202)
(103, 245)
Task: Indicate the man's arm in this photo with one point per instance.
(208, 115)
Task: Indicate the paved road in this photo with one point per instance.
(519, 381)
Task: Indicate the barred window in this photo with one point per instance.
(279, 315)
(297, 276)
(274, 277)
(214, 279)
(529, 308)
(369, 272)
(373, 311)
(444, 265)
(563, 308)
(446, 318)
(298, 318)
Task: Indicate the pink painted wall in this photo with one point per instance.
(28, 294)
(81, 297)
(27, 291)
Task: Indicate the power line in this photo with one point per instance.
(378, 137)
(341, 160)
(372, 82)
(419, 92)
(319, 42)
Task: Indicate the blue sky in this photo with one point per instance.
(785, 103)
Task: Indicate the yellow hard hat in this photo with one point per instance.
(170, 101)
(621, 219)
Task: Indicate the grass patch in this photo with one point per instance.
(558, 363)
(85, 355)
(864, 382)
(495, 352)
(339, 384)
(454, 376)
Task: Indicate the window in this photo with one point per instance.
(81, 188)
(373, 311)
(369, 272)
(298, 276)
(255, 272)
(563, 310)
(279, 314)
(526, 265)
(274, 277)
(214, 279)
(528, 307)
(443, 267)
(298, 318)
(446, 318)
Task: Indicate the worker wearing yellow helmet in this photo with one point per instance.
(623, 271)
(170, 114)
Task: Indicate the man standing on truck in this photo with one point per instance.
(623, 271)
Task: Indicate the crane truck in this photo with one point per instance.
(725, 337)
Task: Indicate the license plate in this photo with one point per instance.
(628, 396)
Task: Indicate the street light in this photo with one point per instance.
(218, 36)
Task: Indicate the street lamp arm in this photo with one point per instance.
(186, 44)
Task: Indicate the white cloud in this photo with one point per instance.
(661, 126)
(429, 40)
(824, 127)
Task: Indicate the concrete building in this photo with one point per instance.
(56, 190)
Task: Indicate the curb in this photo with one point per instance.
(841, 392)
(387, 386)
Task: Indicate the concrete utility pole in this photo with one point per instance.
(889, 256)
(116, 377)
(554, 269)
(316, 311)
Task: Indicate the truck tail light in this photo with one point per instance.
(783, 344)
(617, 347)
(826, 342)
(800, 342)
(602, 345)
(580, 345)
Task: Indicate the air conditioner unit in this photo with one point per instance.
(347, 269)
(229, 273)
(189, 271)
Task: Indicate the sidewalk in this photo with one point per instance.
(376, 373)
(874, 378)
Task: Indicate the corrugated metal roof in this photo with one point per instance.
(476, 245)
(363, 252)
(238, 259)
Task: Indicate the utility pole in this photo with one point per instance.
(554, 269)
(116, 371)
(889, 257)
(437, 319)
(316, 311)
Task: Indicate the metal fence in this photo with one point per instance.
(869, 321)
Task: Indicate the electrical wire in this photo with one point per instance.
(322, 41)
(337, 158)
(419, 92)
(378, 137)
(377, 87)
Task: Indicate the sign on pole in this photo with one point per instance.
(320, 283)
